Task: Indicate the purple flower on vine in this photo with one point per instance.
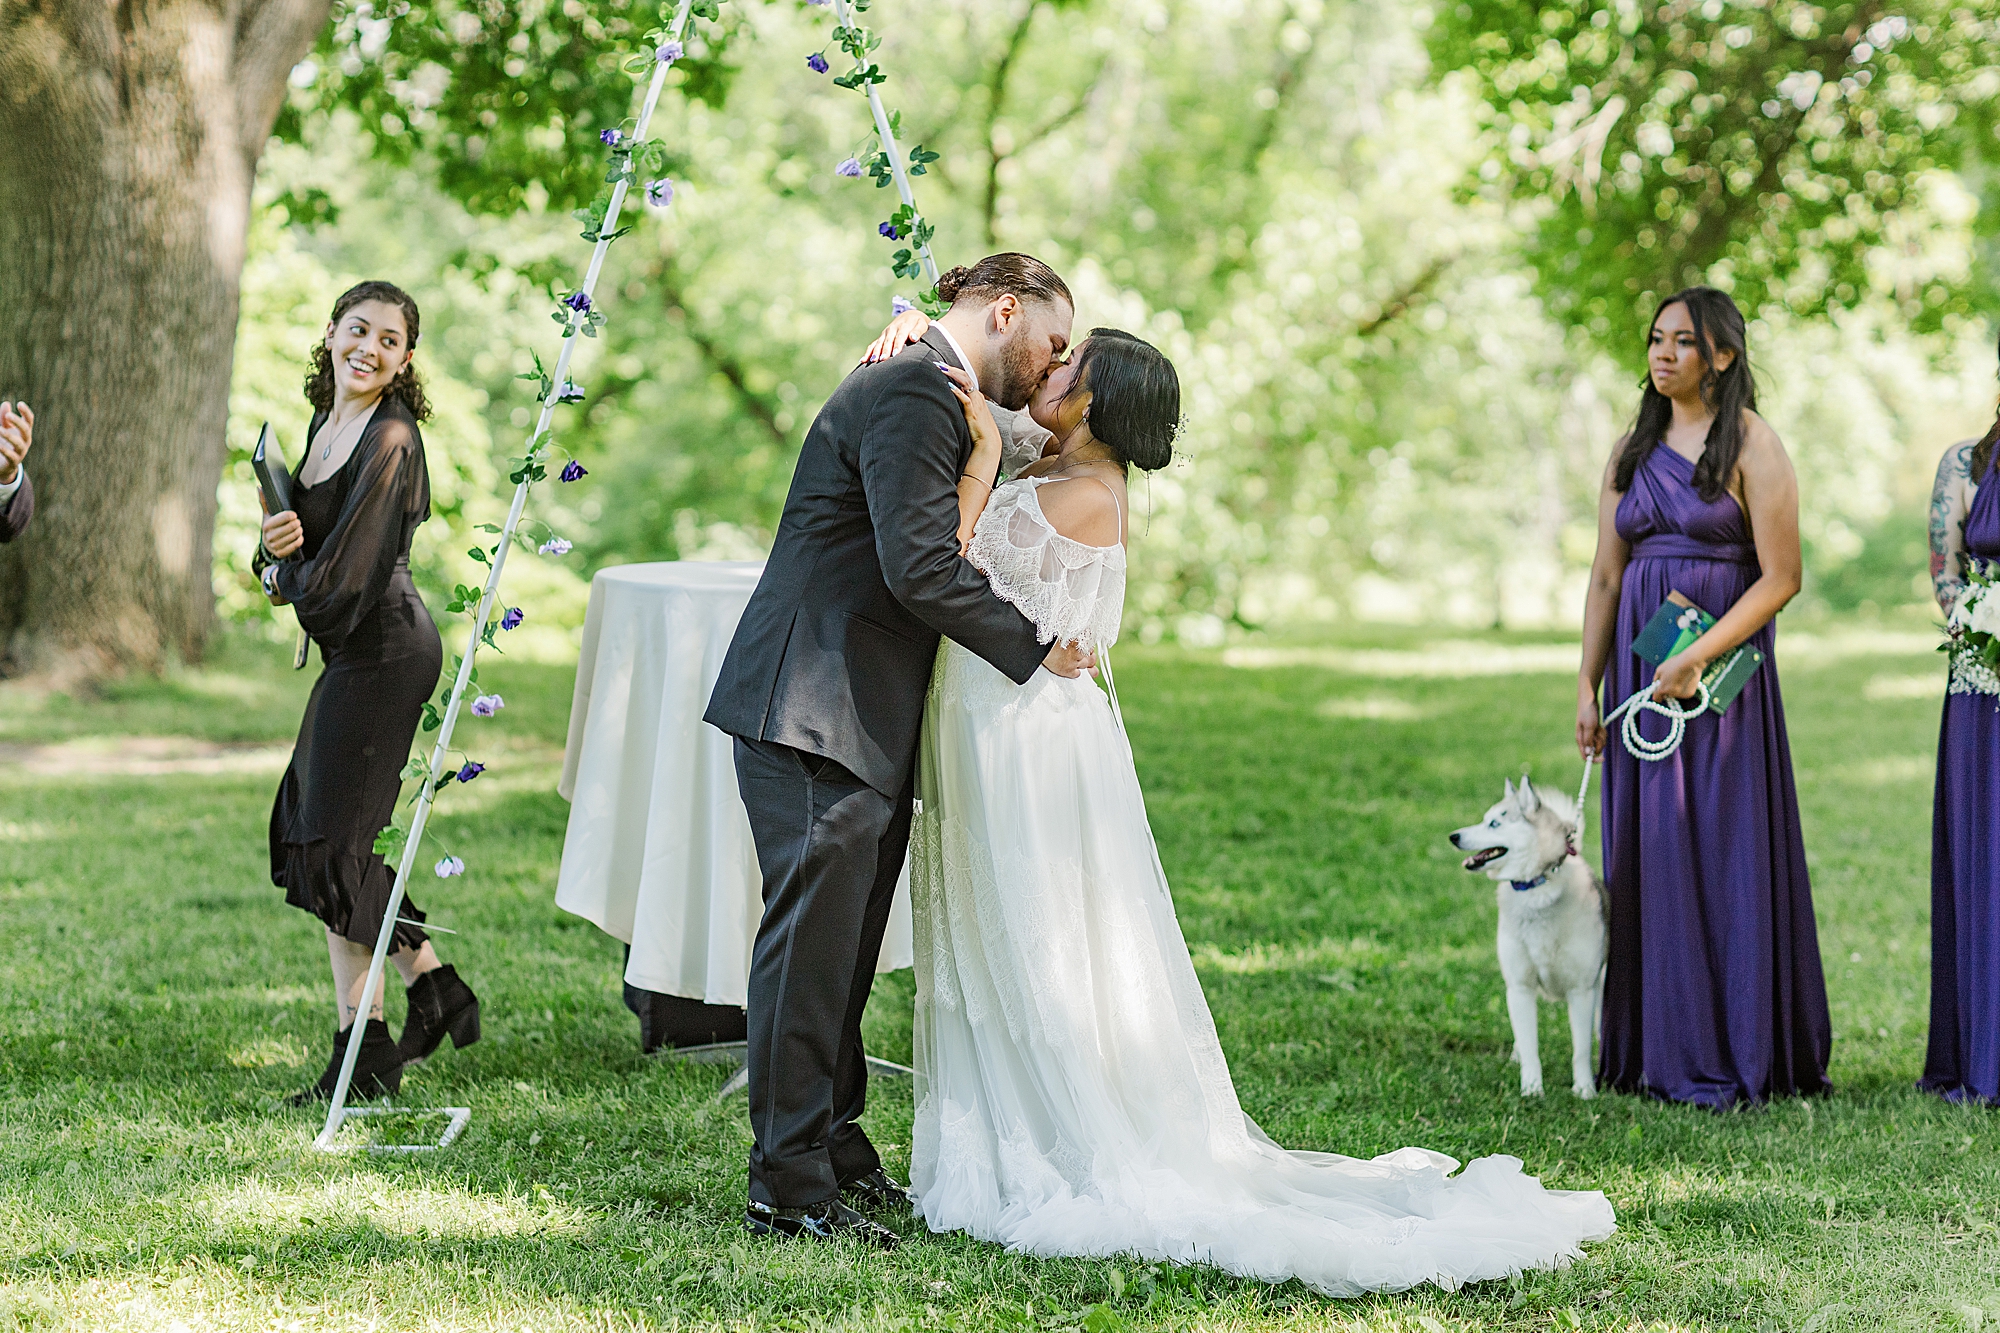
(611, 138)
(660, 193)
(449, 866)
(578, 300)
(888, 229)
(850, 167)
(669, 52)
(572, 471)
(486, 705)
(819, 2)
(816, 62)
(470, 771)
(512, 620)
(554, 546)
(899, 305)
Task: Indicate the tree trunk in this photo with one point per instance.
(129, 136)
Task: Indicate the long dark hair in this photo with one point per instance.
(1135, 397)
(1718, 326)
(406, 387)
(1982, 453)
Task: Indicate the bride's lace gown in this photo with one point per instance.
(1072, 1097)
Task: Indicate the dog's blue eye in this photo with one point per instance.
(1492, 823)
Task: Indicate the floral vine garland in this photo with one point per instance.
(885, 164)
(631, 155)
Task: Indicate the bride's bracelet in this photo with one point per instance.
(981, 480)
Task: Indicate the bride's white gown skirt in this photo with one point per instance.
(1072, 1097)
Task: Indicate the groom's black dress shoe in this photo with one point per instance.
(877, 1189)
(818, 1221)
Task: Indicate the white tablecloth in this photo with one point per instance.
(658, 851)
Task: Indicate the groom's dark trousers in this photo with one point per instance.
(823, 687)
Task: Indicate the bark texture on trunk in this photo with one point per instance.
(129, 135)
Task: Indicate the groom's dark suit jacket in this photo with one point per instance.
(834, 652)
(14, 515)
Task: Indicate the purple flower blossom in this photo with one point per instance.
(449, 866)
(512, 620)
(578, 300)
(899, 305)
(669, 52)
(819, 2)
(611, 138)
(572, 471)
(887, 229)
(660, 193)
(486, 705)
(816, 62)
(571, 392)
(470, 771)
(554, 546)
(849, 167)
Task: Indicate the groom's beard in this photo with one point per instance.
(1019, 374)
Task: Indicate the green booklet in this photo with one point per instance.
(1677, 624)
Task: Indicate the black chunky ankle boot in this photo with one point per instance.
(378, 1070)
(440, 1003)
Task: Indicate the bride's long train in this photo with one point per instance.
(1072, 1096)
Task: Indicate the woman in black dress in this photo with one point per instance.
(340, 558)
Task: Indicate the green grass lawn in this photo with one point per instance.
(157, 999)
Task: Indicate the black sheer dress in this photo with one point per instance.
(351, 586)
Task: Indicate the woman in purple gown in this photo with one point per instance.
(1963, 1062)
(1713, 992)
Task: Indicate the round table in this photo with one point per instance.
(658, 852)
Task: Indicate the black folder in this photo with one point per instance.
(272, 477)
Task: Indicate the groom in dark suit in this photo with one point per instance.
(823, 689)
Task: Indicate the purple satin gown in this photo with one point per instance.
(1963, 1062)
(1713, 994)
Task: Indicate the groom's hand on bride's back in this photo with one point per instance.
(1070, 659)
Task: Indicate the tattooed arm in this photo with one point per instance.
(1951, 500)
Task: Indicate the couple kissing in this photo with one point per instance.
(913, 676)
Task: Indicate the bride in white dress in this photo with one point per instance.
(1072, 1096)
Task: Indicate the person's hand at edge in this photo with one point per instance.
(17, 436)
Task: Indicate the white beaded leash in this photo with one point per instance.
(1641, 748)
(1670, 709)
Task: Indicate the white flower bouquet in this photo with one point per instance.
(1972, 631)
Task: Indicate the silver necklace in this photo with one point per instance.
(327, 452)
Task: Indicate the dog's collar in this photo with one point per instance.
(1523, 885)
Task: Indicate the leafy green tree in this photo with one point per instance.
(1777, 148)
(129, 139)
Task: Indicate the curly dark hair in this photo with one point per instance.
(406, 387)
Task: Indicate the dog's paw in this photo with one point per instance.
(1584, 1088)
(1531, 1087)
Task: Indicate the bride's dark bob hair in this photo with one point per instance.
(1135, 397)
(406, 386)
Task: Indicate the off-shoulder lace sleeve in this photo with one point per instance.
(1021, 440)
(1073, 592)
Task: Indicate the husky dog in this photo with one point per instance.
(1552, 932)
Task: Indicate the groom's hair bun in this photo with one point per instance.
(1021, 276)
(1135, 397)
